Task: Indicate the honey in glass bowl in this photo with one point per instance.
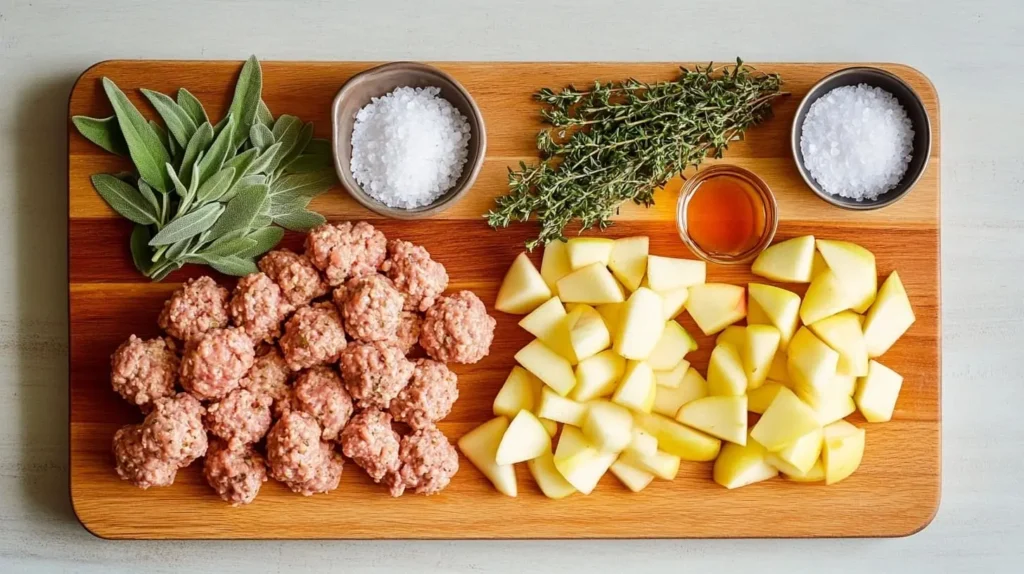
(726, 214)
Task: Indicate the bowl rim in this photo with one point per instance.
(795, 131)
(443, 203)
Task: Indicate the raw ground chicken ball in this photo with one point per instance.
(428, 397)
(346, 250)
(242, 417)
(236, 472)
(268, 376)
(299, 281)
(214, 363)
(415, 274)
(427, 463)
(319, 392)
(173, 430)
(374, 373)
(313, 336)
(371, 443)
(138, 466)
(457, 329)
(298, 457)
(371, 308)
(197, 307)
(258, 306)
(142, 371)
(408, 334)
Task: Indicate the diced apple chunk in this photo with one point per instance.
(877, 393)
(637, 389)
(642, 442)
(799, 456)
(781, 307)
(756, 314)
(631, 477)
(678, 439)
(667, 400)
(735, 335)
(779, 371)
(588, 335)
(815, 474)
(480, 446)
(785, 420)
(842, 450)
(560, 409)
(608, 426)
(787, 261)
(524, 439)
(640, 325)
(543, 321)
(758, 352)
(722, 417)
(842, 332)
(811, 363)
(889, 317)
(672, 346)
(593, 285)
(523, 288)
(598, 376)
(550, 481)
(548, 366)
(674, 377)
(579, 462)
(555, 264)
(584, 251)
(674, 302)
(628, 260)
(661, 464)
(855, 267)
(832, 407)
(725, 372)
(518, 393)
(715, 306)
(742, 465)
(610, 313)
(760, 398)
(668, 273)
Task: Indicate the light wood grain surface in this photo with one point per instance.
(965, 48)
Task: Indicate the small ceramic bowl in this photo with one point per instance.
(910, 101)
(376, 82)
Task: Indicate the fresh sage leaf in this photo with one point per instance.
(232, 265)
(319, 146)
(262, 164)
(263, 115)
(199, 142)
(261, 221)
(149, 196)
(179, 124)
(193, 187)
(261, 136)
(300, 220)
(305, 134)
(189, 225)
(241, 162)
(308, 163)
(234, 247)
(215, 187)
(265, 238)
(179, 186)
(192, 106)
(165, 271)
(147, 151)
(307, 184)
(242, 184)
(246, 100)
(103, 132)
(287, 206)
(125, 199)
(218, 152)
(286, 132)
(240, 211)
(178, 248)
(141, 251)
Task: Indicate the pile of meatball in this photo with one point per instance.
(315, 354)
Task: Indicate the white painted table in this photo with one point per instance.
(973, 51)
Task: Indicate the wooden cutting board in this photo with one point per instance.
(894, 493)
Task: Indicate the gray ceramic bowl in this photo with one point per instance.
(376, 82)
(910, 101)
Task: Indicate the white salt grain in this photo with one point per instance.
(409, 147)
(857, 142)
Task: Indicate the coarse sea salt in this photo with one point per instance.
(857, 142)
(409, 147)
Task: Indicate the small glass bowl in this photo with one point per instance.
(769, 206)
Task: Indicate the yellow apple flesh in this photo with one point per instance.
(758, 353)
(815, 474)
(842, 450)
(631, 477)
(547, 477)
(742, 465)
(826, 296)
(724, 417)
(637, 389)
(842, 332)
(674, 302)
(583, 251)
(608, 426)
(593, 285)
(525, 438)
(674, 377)
(518, 393)
(799, 456)
(668, 273)
(642, 442)
(877, 393)
(725, 372)
(811, 363)
(735, 335)
(781, 307)
(787, 261)
(548, 366)
(671, 347)
(786, 419)
(640, 325)
(555, 407)
(678, 439)
(831, 407)
(628, 260)
(555, 264)
(855, 267)
(579, 462)
(547, 323)
(598, 376)
(668, 400)
(523, 288)
(661, 464)
(588, 335)
(715, 306)
(480, 446)
(759, 399)
(889, 317)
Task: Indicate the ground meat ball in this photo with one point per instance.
(242, 417)
(269, 376)
(173, 430)
(299, 458)
(374, 373)
(416, 275)
(299, 281)
(458, 329)
(236, 472)
(371, 307)
(214, 363)
(197, 307)
(142, 371)
(138, 466)
(408, 333)
(428, 397)
(428, 463)
(345, 250)
(319, 392)
(326, 476)
(371, 443)
(313, 336)
(258, 307)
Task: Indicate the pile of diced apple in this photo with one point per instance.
(609, 364)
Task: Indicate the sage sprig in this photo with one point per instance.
(209, 194)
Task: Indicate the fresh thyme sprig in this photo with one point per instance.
(621, 141)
